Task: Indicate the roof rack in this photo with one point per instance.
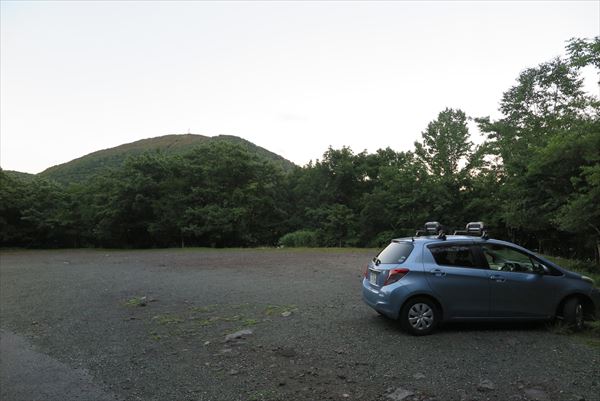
(432, 228)
(474, 228)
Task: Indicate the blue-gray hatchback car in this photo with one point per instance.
(432, 278)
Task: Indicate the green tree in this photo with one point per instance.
(445, 144)
(34, 212)
(452, 160)
(11, 206)
(234, 199)
(546, 116)
(577, 156)
(546, 100)
(584, 52)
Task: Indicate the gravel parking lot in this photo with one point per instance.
(76, 322)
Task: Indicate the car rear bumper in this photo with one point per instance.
(378, 300)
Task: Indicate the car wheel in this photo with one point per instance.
(573, 314)
(419, 316)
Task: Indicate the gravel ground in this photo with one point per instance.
(311, 337)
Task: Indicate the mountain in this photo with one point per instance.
(18, 175)
(82, 168)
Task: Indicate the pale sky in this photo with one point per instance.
(293, 77)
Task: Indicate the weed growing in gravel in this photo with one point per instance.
(279, 309)
(595, 328)
(202, 309)
(557, 327)
(167, 319)
(135, 301)
(194, 321)
(261, 395)
(204, 322)
(235, 318)
(239, 306)
(590, 335)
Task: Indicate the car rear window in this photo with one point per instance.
(396, 252)
(453, 255)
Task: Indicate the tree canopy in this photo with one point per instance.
(534, 178)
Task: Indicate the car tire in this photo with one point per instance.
(572, 312)
(419, 316)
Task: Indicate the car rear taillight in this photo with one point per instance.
(395, 275)
(367, 272)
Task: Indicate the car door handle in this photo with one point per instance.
(437, 272)
(497, 278)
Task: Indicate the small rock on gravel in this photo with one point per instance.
(286, 313)
(419, 376)
(399, 394)
(285, 352)
(535, 394)
(486, 385)
(238, 335)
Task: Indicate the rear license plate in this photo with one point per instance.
(373, 278)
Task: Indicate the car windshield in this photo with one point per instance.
(396, 252)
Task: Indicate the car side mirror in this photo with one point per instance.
(541, 269)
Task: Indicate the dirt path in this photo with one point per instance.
(311, 336)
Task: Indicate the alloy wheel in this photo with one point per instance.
(420, 316)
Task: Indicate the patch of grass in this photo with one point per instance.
(167, 319)
(592, 332)
(246, 321)
(557, 327)
(249, 322)
(205, 322)
(202, 309)
(589, 336)
(262, 395)
(279, 309)
(135, 301)
(594, 328)
(592, 342)
(194, 321)
(235, 318)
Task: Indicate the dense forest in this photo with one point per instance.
(533, 179)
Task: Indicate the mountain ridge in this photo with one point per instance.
(84, 167)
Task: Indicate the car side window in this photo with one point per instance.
(504, 258)
(458, 255)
